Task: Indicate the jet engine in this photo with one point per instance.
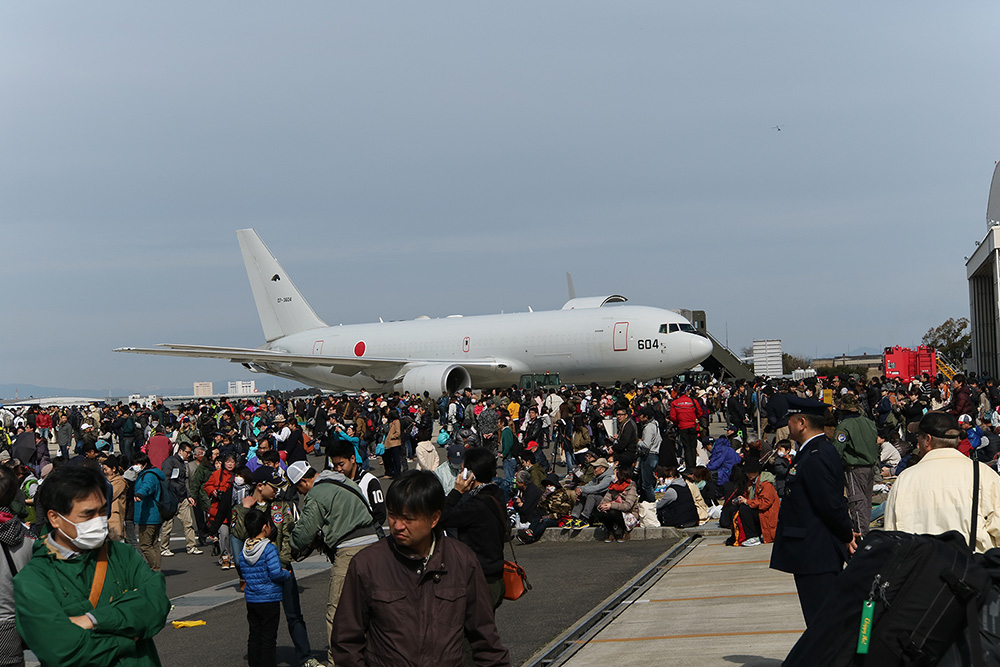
(434, 379)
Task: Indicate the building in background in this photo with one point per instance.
(240, 387)
(982, 269)
(203, 389)
(767, 357)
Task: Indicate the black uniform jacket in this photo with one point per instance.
(813, 524)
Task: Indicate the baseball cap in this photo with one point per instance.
(456, 454)
(964, 419)
(601, 463)
(265, 475)
(297, 471)
(937, 424)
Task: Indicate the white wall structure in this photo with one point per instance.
(202, 388)
(983, 272)
(237, 387)
(767, 357)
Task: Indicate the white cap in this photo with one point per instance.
(297, 471)
(85, 426)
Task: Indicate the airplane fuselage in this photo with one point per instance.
(587, 345)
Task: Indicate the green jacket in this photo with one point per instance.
(282, 516)
(332, 509)
(196, 484)
(132, 608)
(855, 441)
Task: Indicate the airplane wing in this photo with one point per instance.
(247, 355)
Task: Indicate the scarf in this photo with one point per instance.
(618, 486)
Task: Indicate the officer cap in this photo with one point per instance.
(806, 406)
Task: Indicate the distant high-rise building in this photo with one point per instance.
(203, 389)
(242, 387)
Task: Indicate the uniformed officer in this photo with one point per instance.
(814, 536)
(856, 442)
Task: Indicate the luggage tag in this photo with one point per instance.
(868, 613)
(865, 631)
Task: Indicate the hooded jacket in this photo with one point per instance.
(132, 608)
(147, 487)
(261, 568)
(723, 458)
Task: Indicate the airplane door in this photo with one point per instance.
(621, 337)
(318, 347)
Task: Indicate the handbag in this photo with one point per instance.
(515, 579)
(380, 447)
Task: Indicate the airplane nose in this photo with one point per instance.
(701, 348)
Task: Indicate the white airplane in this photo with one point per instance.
(586, 341)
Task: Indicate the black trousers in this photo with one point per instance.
(263, 618)
(689, 441)
(813, 589)
(750, 520)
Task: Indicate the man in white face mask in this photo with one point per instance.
(63, 596)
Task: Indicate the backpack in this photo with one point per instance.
(166, 501)
(459, 410)
(922, 590)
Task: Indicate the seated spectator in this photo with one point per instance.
(619, 503)
(889, 457)
(556, 505)
(527, 498)
(589, 495)
(675, 505)
(702, 479)
(723, 458)
(757, 510)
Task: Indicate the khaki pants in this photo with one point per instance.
(186, 515)
(337, 575)
(148, 544)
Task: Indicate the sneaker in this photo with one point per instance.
(166, 552)
(609, 539)
(620, 540)
(752, 542)
(579, 524)
(312, 662)
(195, 551)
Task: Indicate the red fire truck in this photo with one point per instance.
(904, 364)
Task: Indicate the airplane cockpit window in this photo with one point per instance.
(671, 328)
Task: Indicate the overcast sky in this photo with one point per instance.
(403, 159)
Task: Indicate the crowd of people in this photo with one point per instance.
(260, 484)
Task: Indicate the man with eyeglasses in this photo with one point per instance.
(625, 445)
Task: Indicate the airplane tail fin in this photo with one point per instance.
(280, 305)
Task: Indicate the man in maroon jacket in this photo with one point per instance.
(159, 447)
(417, 597)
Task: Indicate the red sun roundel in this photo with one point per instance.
(359, 349)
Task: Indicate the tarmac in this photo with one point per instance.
(712, 605)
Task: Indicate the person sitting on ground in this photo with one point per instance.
(527, 498)
(723, 459)
(675, 504)
(589, 495)
(556, 504)
(889, 457)
(534, 468)
(619, 504)
(757, 511)
(702, 479)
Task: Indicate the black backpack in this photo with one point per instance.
(924, 590)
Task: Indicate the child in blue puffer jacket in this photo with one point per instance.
(262, 571)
